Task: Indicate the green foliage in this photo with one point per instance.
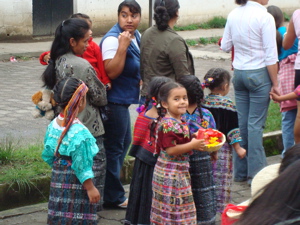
(273, 122)
(271, 147)
(21, 164)
(188, 27)
(286, 17)
(216, 22)
(191, 42)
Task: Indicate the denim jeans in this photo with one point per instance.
(252, 89)
(287, 127)
(117, 139)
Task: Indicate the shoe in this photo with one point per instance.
(124, 204)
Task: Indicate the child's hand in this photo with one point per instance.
(214, 156)
(94, 195)
(198, 144)
(275, 97)
(47, 58)
(241, 152)
(108, 86)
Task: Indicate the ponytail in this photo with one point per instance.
(164, 10)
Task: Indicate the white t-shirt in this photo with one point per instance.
(110, 46)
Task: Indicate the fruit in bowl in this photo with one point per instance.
(214, 139)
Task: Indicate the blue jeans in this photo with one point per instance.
(287, 127)
(252, 89)
(117, 139)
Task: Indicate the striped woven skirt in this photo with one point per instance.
(172, 201)
(68, 200)
(222, 172)
(203, 187)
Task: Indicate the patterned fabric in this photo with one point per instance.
(172, 201)
(68, 201)
(203, 186)
(69, 65)
(286, 75)
(225, 114)
(78, 143)
(222, 173)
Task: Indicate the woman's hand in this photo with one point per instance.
(124, 39)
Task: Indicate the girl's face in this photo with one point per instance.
(79, 47)
(128, 21)
(177, 102)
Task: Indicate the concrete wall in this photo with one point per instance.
(16, 15)
(15, 18)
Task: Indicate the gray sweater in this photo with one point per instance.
(70, 65)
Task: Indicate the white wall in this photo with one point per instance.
(16, 15)
(15, 18)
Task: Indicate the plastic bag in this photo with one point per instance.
(232, 213)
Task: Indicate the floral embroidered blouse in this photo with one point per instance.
(225, 114)
(171, 133)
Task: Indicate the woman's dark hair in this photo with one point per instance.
(291, 155)
(279, 201)
(277, 14)
(241, 2)
(194, 90)
(164, 10)
(279, 40)
(81, 16)
(64, 90)
(70, 28)
(219, 77)
(153, 88)
(133, 6)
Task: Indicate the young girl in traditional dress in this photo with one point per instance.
(172, 201)
(200, 162)
(69, 148)
(225, 114)
(142, 148)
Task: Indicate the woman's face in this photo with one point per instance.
(79, 47)
(129, 21)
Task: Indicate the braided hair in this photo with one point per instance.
(163, 95)
(215, 78)
(68, 93)
(194, 90)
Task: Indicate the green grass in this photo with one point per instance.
(273, 122)
(19, 165)
(216, 22)
(203, 41)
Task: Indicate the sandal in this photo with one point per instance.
(124, 204)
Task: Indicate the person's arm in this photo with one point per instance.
(187, 147)
(280, 98)
(270, 48)
(92, 191)
(178, 57)
(115, 66)
(241, 152)
(226, 42)
(290, 36)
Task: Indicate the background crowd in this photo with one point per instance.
(175, 179)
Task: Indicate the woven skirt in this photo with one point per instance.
(172, 201)
(68, 201)
(203, 187)
(222, 173)
(140, 195)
